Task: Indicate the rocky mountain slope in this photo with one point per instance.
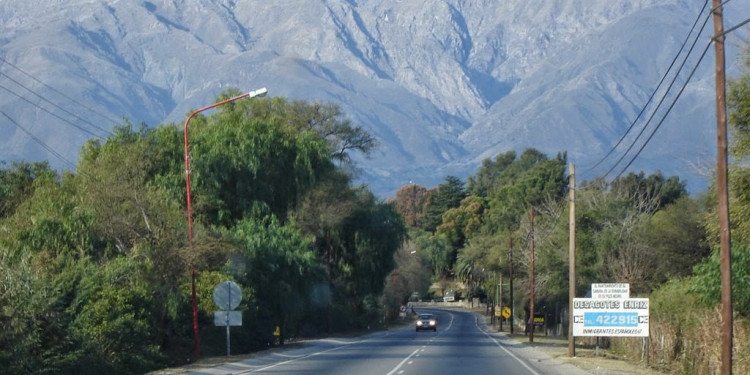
(442, 84)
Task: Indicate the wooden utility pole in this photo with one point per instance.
(512, 306)
(722, 190)
(571, 258)
(530, 322)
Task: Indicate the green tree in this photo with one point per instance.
(370, 237)
(676, 234)
(448, 195)
(649, 193)
(17, 183)
(529, 181)
(278, 264)
(482, 183)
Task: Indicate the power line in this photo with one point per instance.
(59, 92)
(682, 89)
(661, 101)
(54, 105)
(651, 97)
(668, 111)
(49, 112)
(41, 143)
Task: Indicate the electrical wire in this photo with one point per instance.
(658, 86)
(661, 101)
(59, 92)
(49, 112)
(674, 101)
(55, 105)
(40, 142)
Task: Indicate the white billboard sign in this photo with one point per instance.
(628, 317)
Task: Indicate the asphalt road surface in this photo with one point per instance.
(462, 345)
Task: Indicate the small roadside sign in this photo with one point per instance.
(227, 295)
(228, 318)
(506, 312)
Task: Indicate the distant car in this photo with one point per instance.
(426, 322)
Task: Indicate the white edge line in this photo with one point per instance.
(476, 322)
(299, 358)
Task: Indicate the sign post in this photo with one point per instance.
(227, 296)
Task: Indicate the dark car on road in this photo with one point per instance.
(426, 322)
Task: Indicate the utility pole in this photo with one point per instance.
(512, 305)
(531, 280)
(571, 258)
(499, 299)
(722, 191)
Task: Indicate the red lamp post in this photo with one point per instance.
(194, 300)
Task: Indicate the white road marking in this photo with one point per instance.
(397, 368)
(476, 322)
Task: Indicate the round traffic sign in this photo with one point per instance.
(227, 295)
(506, 312)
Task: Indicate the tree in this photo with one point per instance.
(486, 177)
(410, 202)
(448, 195)
(677, 236)
(240, 167)
(461, 222)
(530, 180)
(278, 263)
(650, 193)
(17, 183)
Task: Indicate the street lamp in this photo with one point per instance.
(194, 301)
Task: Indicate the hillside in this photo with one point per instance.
(441, 84)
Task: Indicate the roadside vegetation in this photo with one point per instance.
(96, 264)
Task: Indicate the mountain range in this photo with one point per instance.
(442, 84)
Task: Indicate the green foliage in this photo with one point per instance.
(448, 195)
(707, 281)
(738, 105)
(529, 181)
(489, 173)
(437, 251)
(648, 193)
(670, 302)
(278, 264)
(677, 234)
(95, 267)
(17, 183)
(115, 320)
(463, 221)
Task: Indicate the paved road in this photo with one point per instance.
(462, 345)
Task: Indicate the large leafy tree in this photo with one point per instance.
(448, 195)
(410, 202)
(530, 180)
(279, 265)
